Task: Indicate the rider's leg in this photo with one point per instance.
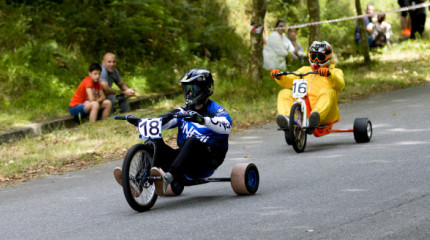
(285, 101)
(327, 107)
(195, 157)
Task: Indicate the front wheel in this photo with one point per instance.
(297, 132)
(287, 137)
(245, 178)
(362, 130)
(139, 191)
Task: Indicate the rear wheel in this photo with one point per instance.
(245, 178)
(362, 130)
(297, 133)
(138, 190)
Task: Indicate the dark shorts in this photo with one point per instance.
(78, 110)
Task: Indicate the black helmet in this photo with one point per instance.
(198, 85)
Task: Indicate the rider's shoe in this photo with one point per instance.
(282, 121)
(314, 119)
(117, 173)
(161, 184)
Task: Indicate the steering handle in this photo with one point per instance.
(182, 115)
(127, 117)
(134, 119)
(293, 73)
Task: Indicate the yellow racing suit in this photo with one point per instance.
(322, 92)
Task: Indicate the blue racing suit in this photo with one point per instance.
(202, 147)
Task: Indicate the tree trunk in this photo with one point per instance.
(255, 70)
(364, 46)
(314, 16)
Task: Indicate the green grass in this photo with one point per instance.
(249, 104)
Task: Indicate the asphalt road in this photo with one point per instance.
(336, 189)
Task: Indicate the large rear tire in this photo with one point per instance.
(298, 134)
(362, 130)
(135, 177)
(245, 178)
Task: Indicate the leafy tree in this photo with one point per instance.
(255, 70)
(314, 16)
(363, 35)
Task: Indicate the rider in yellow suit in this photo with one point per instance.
(323, 88)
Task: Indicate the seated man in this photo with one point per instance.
(202, 139)
(322, 89)
(367, 20)
(111, 75)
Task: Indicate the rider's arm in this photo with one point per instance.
(337, 79)
(219, 124)
(170, 124)
(286, 81)
(169, 121)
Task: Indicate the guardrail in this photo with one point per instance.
(36, 129)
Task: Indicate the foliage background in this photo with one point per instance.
(47, 45)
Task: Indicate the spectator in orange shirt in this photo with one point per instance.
(89, 98)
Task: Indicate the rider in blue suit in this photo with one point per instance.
(202, 138)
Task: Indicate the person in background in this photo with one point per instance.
(367, 20)
(418, 19)
(111, 75)
(405, 21)
(89, 98)
(276, 49)
(297, 50)
(381, 31)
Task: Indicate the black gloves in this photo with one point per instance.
(168, 116)
(195, 117)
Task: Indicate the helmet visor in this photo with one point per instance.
(191, 90)
(320, 57)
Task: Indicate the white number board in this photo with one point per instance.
(150, 128)
(299, 88)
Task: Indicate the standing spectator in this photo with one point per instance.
(89, 98)
(111, 75)
(297, 50)
(367, 20)
(418, 19)
(276, 50)
(405, 21)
